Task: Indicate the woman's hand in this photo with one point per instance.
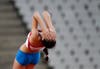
(52, 34)
(45, 35)
(49, 35)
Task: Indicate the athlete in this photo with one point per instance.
(43, 39)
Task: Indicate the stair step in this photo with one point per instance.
(7, 57)
(6, 66)
(12, 43)
(5, 7)
(13, 36)
(13, 31)
(9, 23)
(4, 1)
(7, 53)
(7, 14)
(10, 26)
(8, 18)
(11, 46)
(9, 29)
(10, 39)
(7, 10)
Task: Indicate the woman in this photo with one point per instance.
(28, 54)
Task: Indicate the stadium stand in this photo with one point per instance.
(77, 23)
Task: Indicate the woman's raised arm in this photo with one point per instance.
(48, 21)
(38, 18)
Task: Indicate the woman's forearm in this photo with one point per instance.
(34, 23)
(40, 21)
(48, 20)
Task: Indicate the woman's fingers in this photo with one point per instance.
(53, 36)
(46, 35)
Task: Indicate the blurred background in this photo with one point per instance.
(77, 24)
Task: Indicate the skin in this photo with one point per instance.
(48, 32)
